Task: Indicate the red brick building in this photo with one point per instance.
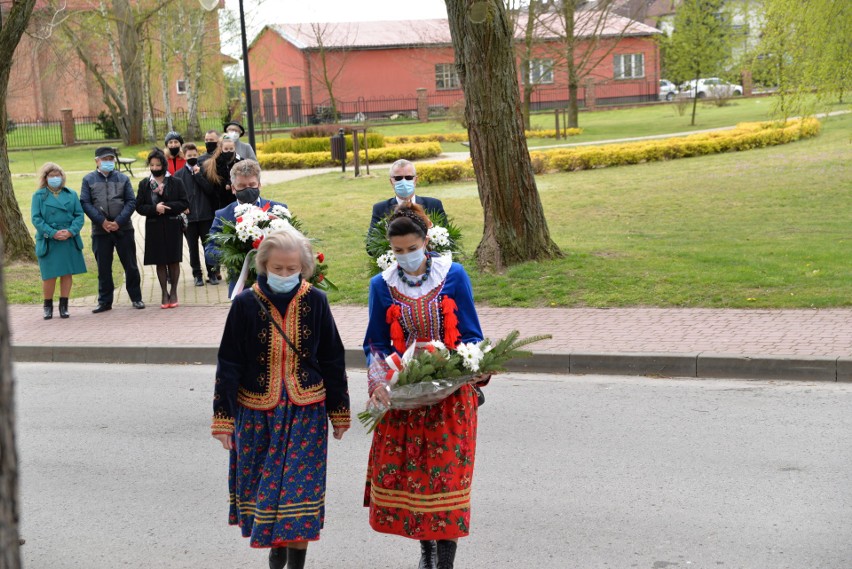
(46, 76)
(376, 68)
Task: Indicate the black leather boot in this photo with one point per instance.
(278, 558)
(446, 554)
(428, 555)
(48, 308)
(63, 307)
(296, 558)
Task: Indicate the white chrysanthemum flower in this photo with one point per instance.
(439, 345)
(471, 356)
(242, 208)
(281, 212)
(386, 260)
(439, 236)
(279, 225)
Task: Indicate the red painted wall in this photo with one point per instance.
(398, 72)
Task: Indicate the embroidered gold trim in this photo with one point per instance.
(418, 502)
(281, 362)
(222, 425)
(340, 418)
(271, 515)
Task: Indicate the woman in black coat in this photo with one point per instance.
(217, 171)
(162, 199)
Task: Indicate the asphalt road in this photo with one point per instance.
(118, 470)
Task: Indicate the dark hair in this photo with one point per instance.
(408, 219)
(189, 146)
(158, 154)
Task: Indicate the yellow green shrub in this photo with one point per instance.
(300, 145)
(293, 160)
(438, 137)
(551, 132)
(446, 171)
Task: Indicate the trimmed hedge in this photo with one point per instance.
(301, 145)
(319, 130)
(292, 160)
(462, 136)
(746, 136)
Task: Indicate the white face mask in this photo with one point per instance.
(235, 136)
(280, 284)
(410, 262)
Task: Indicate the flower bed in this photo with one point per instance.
(291, 160)
(303, 145)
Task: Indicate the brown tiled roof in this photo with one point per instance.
(396, 33)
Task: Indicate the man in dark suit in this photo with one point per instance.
(403, 180)
(245, 184)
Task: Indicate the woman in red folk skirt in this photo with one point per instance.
(420, 469)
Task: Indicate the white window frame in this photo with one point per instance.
(446, 77)
(178, 84)
(541, 71)
(628, 66)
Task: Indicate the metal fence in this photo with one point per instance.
(33, 133)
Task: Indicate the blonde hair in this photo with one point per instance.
(45, 170)
(210, 165)
(286, 240)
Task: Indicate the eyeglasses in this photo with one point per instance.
(399, 178)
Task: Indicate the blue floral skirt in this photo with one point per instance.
(277, 473)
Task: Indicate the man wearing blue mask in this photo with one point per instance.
(403, 180)
(245, 184)
(107, 198)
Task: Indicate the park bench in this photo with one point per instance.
(124, 162)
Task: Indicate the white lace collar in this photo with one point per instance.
(440, 267)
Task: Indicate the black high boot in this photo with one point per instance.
(278, 558)
(63, 307)
(296, 558)
(428, 555)
(48, 308)
(446, 554)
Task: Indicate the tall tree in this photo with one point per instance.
(700, 43)
(805, 50)
(10, 551)
(515, 229)
(123, 94)
(18, 242)
(332, 53)
(586, 35)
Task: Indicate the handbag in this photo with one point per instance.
(184, 222)
(290, 344)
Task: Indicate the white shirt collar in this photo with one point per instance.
(399, 201)
(440, 267)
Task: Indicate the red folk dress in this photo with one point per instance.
(421, 461)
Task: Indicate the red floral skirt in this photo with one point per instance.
(421, 467)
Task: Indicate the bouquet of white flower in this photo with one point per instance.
(427, 373)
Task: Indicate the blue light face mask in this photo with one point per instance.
(281, 285)
(54, 181)
(107, 166)
(404, 188)
(410, 262)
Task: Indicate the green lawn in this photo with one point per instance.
(764, 228)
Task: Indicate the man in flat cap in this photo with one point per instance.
(107, 198)
(235, 130)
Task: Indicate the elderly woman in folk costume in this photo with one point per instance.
(420, 467)
(281, 376)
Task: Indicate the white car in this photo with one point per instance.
(668, 90)
(710, 87)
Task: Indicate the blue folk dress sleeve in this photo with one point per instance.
(462, 293)
(332, 363)
(232, 359)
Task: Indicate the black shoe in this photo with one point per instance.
(199, 281)
(428, 555)
(102, 308)
(296, 558)
(63, 308)
(213, 279)
(138, 304)
(446, 553)
(48, 308)
(277, 558)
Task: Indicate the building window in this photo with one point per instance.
(541, 71)
(181, 87)
(629, 66)
(446, 76)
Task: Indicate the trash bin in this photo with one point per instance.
(338, 148)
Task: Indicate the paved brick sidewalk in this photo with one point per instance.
(581, 330)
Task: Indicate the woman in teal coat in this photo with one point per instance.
(58, 218)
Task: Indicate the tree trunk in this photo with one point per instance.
(573, 105)
(131, 69)
(515, 227)
(164, 83)
(10, 546)
(18, 242)
(695, 99)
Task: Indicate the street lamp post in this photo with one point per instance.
(212, 5)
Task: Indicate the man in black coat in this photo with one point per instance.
(403, 179)
(200, 214)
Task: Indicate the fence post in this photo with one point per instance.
(589, 99)
(556, 116)
(422, 105)
(68, 135)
